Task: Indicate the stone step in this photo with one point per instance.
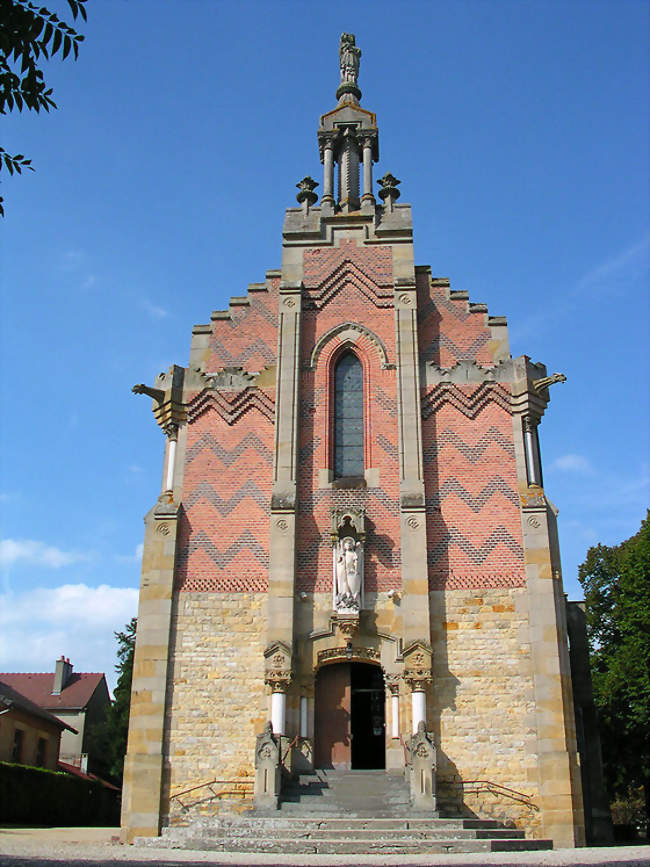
(293, 846)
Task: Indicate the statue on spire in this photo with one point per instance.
(349, 56)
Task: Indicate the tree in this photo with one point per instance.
(110, 736)
(29, 33)
(616, 582)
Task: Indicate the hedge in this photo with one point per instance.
(36, 796)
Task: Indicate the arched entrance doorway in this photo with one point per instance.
(349, 730)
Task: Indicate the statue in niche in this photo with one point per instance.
(349, 56)
(348, 573)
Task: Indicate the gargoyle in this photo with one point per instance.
(545, 381)
(156, 393)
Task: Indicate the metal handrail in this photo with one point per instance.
(497, 788)
(292, 744)
(237, 782)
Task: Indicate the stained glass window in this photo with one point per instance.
(348, 417)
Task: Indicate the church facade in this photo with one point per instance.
(353, 538)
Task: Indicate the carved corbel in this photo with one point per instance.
(168, 408)
(418, 658)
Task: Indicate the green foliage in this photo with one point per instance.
(110, 736)
(38, 796)
(616, 582)
(28, 35)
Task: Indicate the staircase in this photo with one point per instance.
(345, 813)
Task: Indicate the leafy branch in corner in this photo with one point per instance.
(28, 35)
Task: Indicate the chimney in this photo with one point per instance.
(62, 672)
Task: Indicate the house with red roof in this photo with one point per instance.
(78, 699)
(29, 735)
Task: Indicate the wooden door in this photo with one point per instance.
(332, 717)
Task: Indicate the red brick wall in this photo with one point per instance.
(473, 518)
(223, 542)
(447, 331)
(348, 284)
(249, 338)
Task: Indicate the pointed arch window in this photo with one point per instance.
(348, 416)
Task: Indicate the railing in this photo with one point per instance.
(289, 748)
(495, 789)
(241, 787)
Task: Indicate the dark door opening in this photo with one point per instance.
(368, 702)
(349, 717)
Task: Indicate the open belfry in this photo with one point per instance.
(352, 568)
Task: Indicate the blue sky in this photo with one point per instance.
(519, 131)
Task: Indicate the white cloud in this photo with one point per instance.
(634, 255)
(37, 553)
(154, 310)
(572, 464)
(89, 282)
(75, 620)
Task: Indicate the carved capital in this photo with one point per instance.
(530, 423)
(348, 624)
(392, 682)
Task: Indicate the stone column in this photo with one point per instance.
(418, 708)
(171, 432)
(349, 173)
(279, 712)
(328, 174)
(367, 199)
(531, 445)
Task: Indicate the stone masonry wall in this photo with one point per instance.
(482, 705)
(217, 699)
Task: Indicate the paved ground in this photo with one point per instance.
(87, 847)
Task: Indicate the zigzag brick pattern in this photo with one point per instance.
(448, 331)
(348, 284)
(248, 338)
(473, 515)
(223, 543)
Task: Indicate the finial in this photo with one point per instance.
(349, 59)
(389, 190)
(307, 196)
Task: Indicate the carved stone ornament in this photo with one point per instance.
(349, 62)
(341, 654)
(277, 668)
(267, 748)
(306, 189)
(392, 682)
(348, 536)
(348, 624)
(417, 665)
(422, 770)
(545, 381)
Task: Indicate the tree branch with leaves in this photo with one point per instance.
(30, 34)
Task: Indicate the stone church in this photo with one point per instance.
(353, 563)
